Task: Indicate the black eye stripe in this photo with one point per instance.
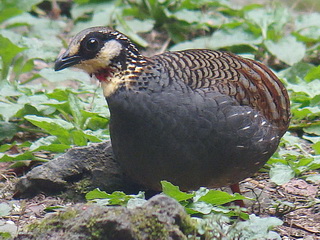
(92, 44)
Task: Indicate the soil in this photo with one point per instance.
(295, 203)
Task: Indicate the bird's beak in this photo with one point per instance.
(65, 61)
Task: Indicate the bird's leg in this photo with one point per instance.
(235, 188)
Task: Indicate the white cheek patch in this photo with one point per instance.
(110, 50)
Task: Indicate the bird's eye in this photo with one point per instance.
(92, 44)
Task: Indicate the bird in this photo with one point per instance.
(196, 118)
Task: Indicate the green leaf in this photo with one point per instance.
(137, 201)
(287, 49)
(313, 74)
(40, 36)
(22, 65)
(296, 73)
(75, 108)
(5, 235)
(8, 130)
(53, 148)
(313, 139)
(305, 113)
(44, 122)
(8, 51)
(311, 88)
(55, 127)
(173, 191)
(8, 90)
(190, 16)
(27, 110)
(232, 37)
(66, 74)
(49, 143)
(101, 14)
(259, 227)
(308, 25)
(199, 17)
(138, 26)
(62, 107)
(315, 129)
(45, 49)
(6, 147)
(316, 147)
(78, 137)
(58, 94)
(98, 135)
(315, 164)
(201, 42)
(267, 18)
(9, 12)
(216, 197)
(94, 122)
(280, 173)
(81, 1)
(8, 110)
(53, 208)
(25, 5)
(220, 39)
(16, 157)
(36, 101)
(200, 207)
(304, 21)
(96, 194)
(129, 31)
(314, 178)
(115, 198)
(315, 101)
(20, 164)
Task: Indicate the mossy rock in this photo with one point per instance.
(161, 218)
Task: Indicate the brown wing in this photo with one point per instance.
(249, 82)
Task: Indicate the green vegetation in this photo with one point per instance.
(208, 218)
(47, 112)
(197, 203)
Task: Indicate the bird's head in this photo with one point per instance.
(99, 51)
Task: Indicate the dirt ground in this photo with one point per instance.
(295, 203)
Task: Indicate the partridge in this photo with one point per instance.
(196, 117)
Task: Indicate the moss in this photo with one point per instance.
(187, 226)
(77, 190)
(94, 228)
(52, 222)
(146, 224)
(97, 222)
(83, 186)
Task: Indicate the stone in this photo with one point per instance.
(93, 166)
(160, 218)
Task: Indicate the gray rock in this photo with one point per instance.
(94, 165)
(159, 218)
